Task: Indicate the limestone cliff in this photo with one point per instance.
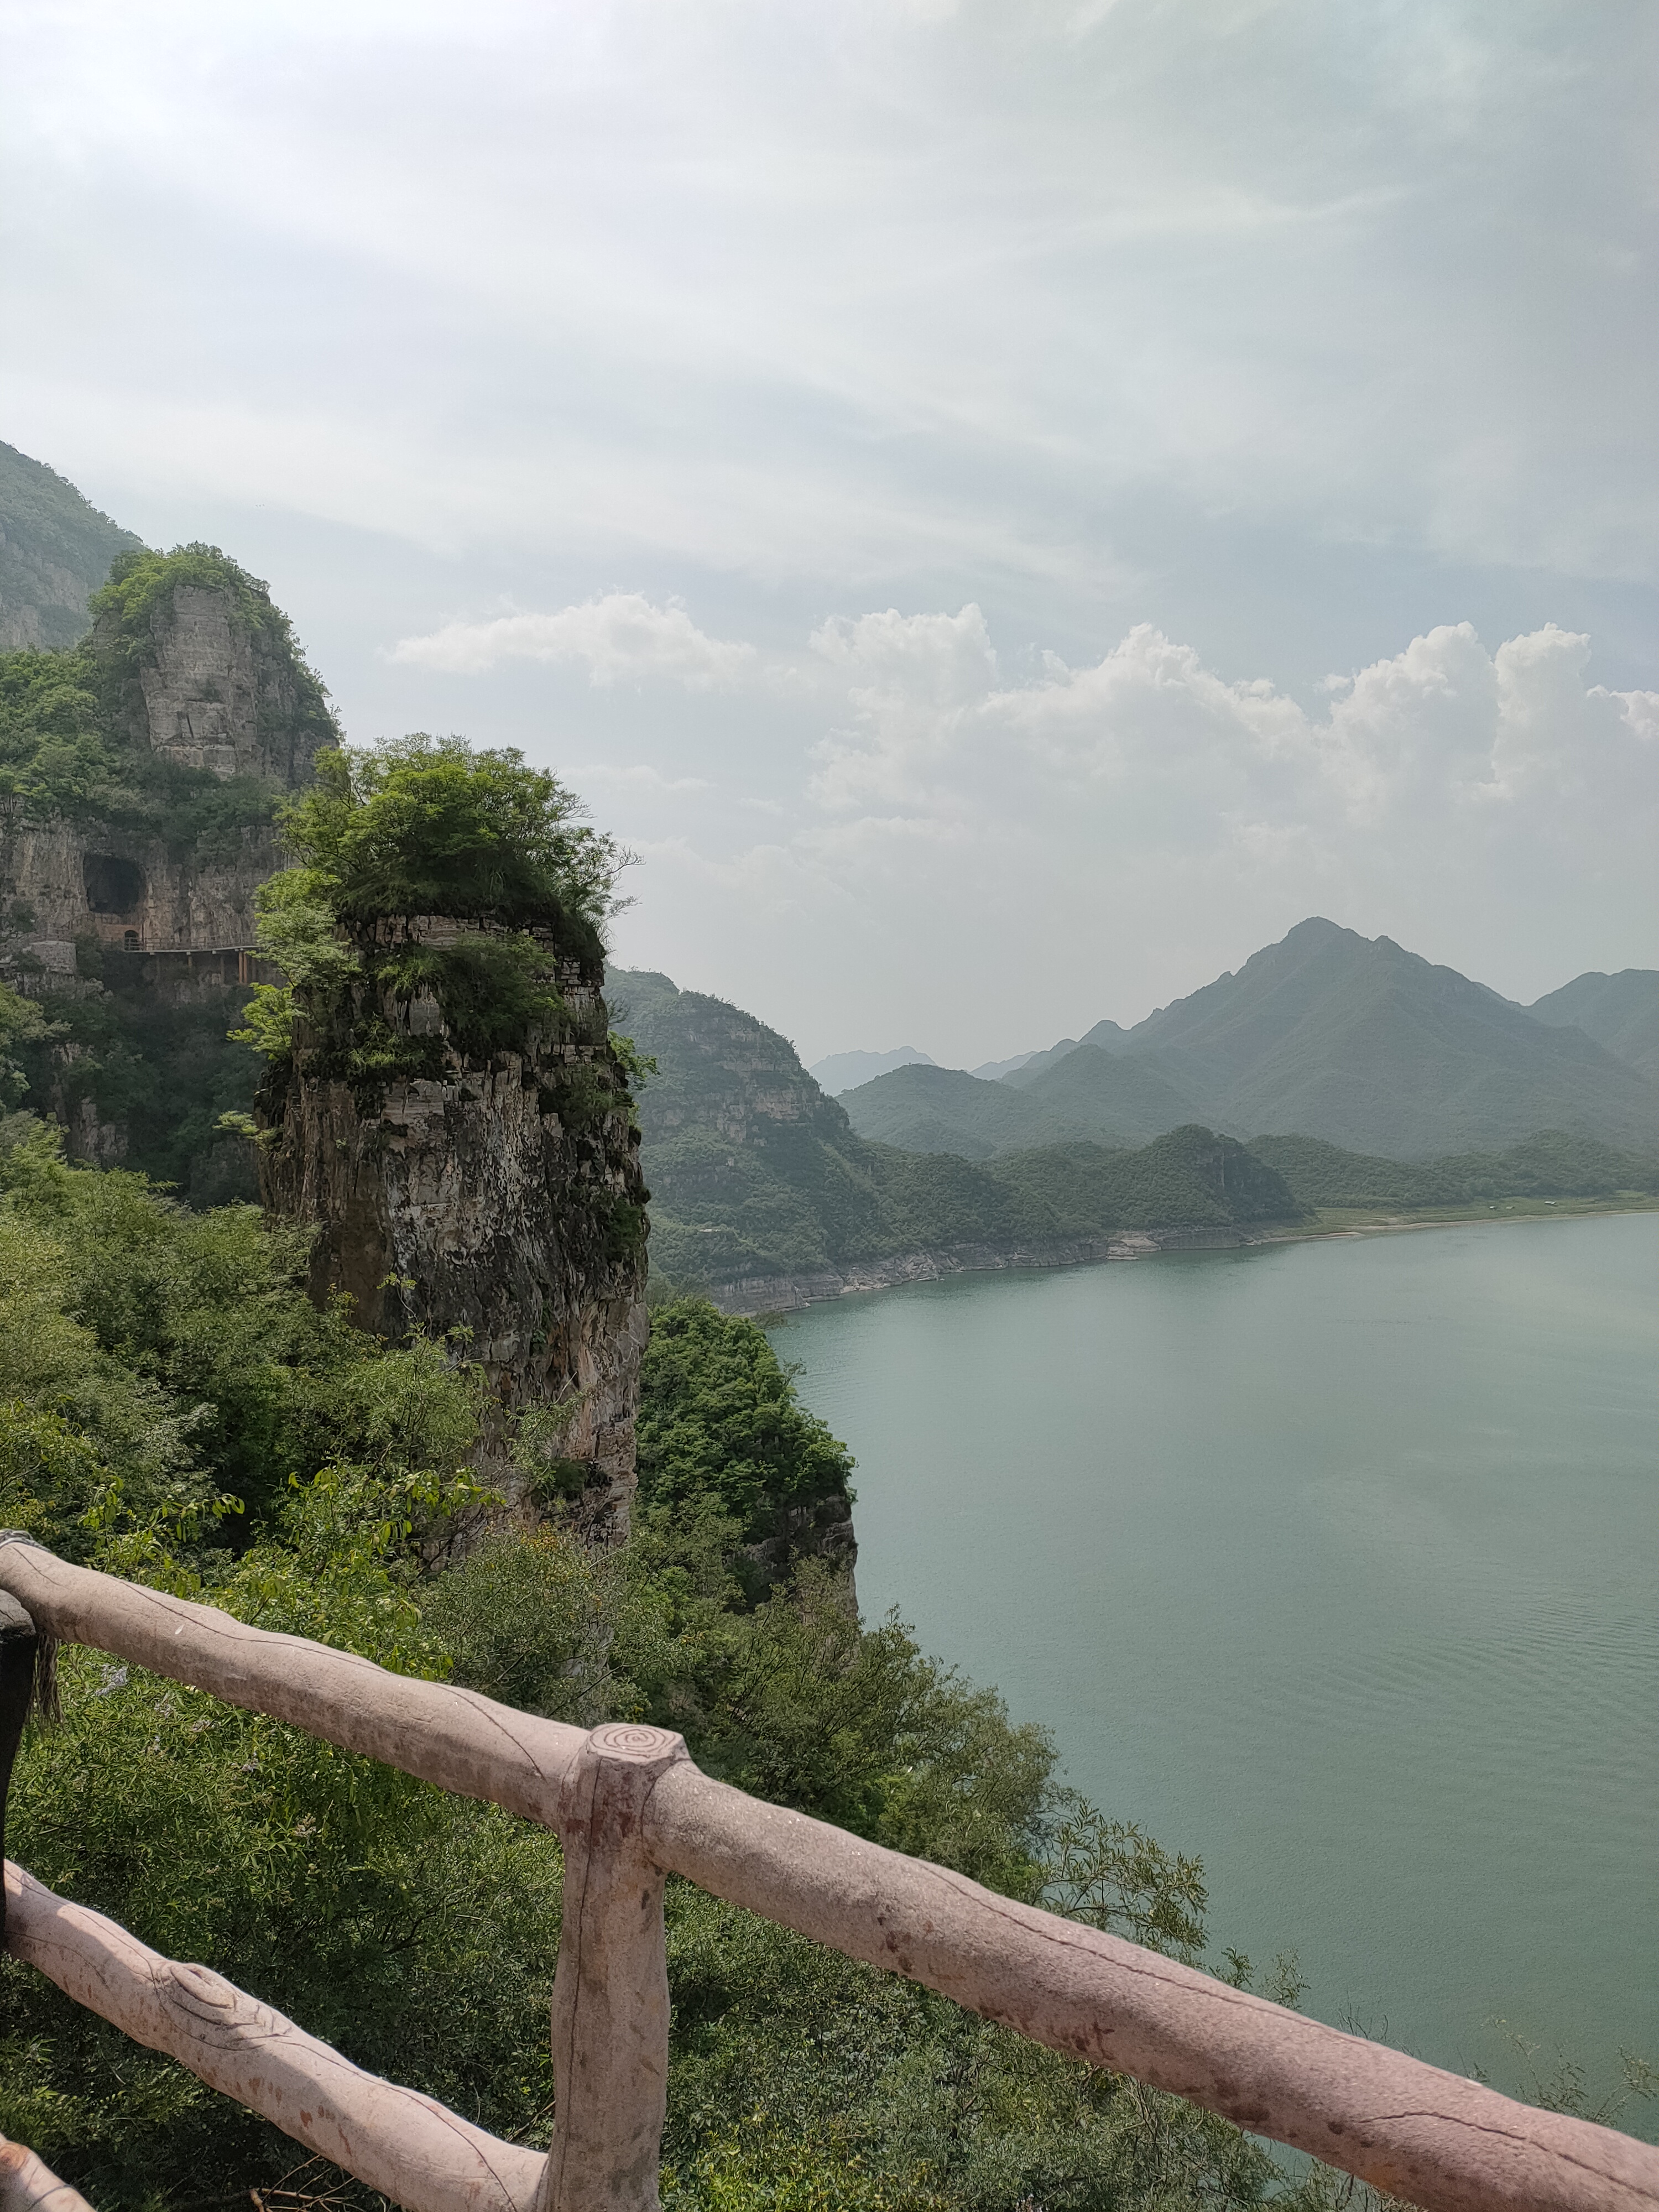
(190, 711)
(497, 1195)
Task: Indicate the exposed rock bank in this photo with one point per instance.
(783, 1293)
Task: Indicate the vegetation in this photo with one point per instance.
(1355, 1041)
(798, 1192)
(1553, 1164)
(55, 550)
(386, 839)
(177, 1410)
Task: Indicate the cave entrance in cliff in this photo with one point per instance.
(113, 885)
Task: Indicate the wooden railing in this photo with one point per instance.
(631, 1807)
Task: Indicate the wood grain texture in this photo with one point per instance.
(26, 2185)
(409, 2147)
(455, 1738)
(1438, 2140)
(611, 1993)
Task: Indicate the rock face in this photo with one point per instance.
(500, 1197)
(208, 679)
(136, 892)
(215, 689)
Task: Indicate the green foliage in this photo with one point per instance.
(21, 1022)
(1554, 1164)
(164, 1070)
(719, 1420)
(54, 761)
(425, 825)
(182, 1349)
(387, 840)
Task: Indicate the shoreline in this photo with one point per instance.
(759, 1295)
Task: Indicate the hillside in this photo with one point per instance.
(1620, 1012)
(1551, 1166)
(1086, 1095)
(1351, 1040)
(55, 550)
(1374, 1048)
(940, 1109)
(757, 1178)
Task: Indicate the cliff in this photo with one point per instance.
(444, 1101)
(140, 774)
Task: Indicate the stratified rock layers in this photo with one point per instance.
(502, 1200)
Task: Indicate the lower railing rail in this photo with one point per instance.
(631, 1807)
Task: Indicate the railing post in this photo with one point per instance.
(611, 1992)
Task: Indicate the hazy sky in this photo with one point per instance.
(1007, 508)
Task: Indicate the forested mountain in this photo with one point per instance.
(55, 550)
(757, 1178)
(1327, 1034)
(1088, 1094)
(1620, 1012)
(1549, 1165)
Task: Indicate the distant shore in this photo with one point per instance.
(788, 1293)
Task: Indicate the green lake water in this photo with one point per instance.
(1335, 1563)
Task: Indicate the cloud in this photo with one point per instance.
(1007, 856)
(641, 777)
(621, 638)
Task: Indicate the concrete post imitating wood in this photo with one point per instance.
(611, 1992)
(26, 2185)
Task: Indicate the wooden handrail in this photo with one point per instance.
(27, 2186)
(629, 1802)
(407, 2146)
(462, 1741)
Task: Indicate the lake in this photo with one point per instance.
(1336, 1563)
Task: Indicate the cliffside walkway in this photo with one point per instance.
(630, 1807)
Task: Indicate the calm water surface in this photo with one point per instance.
(1336, 1563)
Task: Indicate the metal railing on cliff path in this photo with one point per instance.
(630, 1807)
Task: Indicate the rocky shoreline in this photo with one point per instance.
(785, 1293)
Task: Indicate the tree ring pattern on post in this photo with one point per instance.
(639, 1745)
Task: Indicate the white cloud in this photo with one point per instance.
(1124, 830)
(641, 776)
(621, 638)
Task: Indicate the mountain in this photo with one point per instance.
(1327, 1035)
(760, 1185)
(1355, 1040)
(55, 550)
(941, 1110)
(992, 1071)
(1620, 1012)
(1107, 1035)
(1088, 1095)
(843, 1071)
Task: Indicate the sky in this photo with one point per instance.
(1005, 508)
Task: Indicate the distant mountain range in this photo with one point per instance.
(1620, 1012)
(765, 1191)
(1327, 1035)
(845, 1071)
